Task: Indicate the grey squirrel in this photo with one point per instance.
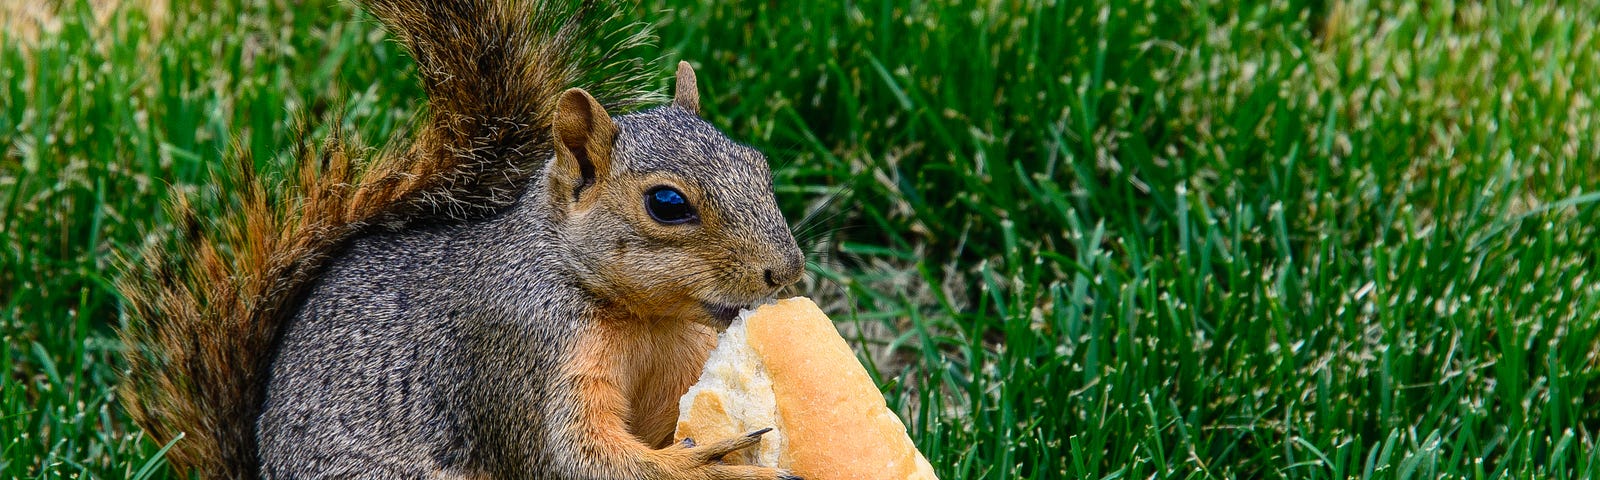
(523, 291)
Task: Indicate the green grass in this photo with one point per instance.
(1126, 239)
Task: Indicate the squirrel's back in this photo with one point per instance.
(355, 366)
(205, 312)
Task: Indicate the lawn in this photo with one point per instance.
(1110, 239)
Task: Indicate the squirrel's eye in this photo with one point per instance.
(668, 206)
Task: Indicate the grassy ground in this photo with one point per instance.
(1121, 239)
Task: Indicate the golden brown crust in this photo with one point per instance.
(835, 420)
(828, 402)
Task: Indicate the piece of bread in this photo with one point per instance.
(784, 366)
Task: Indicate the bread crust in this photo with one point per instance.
(835, 420)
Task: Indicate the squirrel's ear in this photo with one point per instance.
(687, 95)
(584, 133)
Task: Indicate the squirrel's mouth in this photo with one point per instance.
(721, 315)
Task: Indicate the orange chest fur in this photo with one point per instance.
(637, 370)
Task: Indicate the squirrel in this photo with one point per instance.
(522, 289)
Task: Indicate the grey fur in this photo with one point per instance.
(429, 352)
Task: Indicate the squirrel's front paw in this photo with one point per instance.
(688, 460)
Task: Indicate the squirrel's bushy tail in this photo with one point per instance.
(493, 71)
(204, 311)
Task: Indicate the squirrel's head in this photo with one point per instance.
(664, 215)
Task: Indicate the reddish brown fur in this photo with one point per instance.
(650, 362)
(662, 361)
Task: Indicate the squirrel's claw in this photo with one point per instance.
(714, 452)
(706, 459)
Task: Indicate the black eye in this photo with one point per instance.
(668, 206)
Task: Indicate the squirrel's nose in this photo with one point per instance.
(789, 272)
